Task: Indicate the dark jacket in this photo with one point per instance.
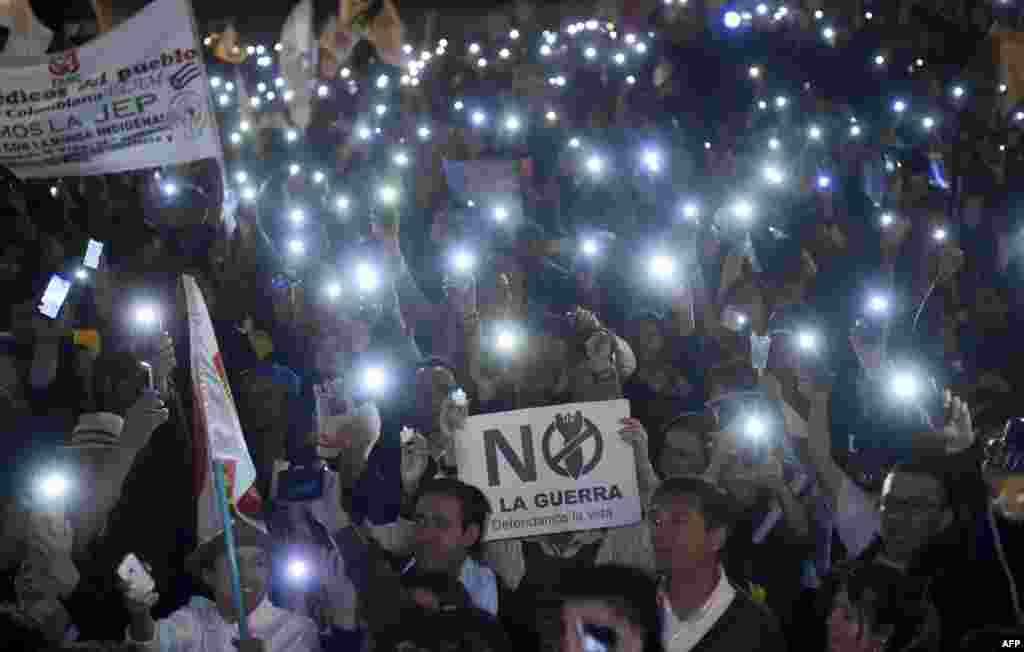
(745, 625)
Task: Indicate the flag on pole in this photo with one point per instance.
(218, 432)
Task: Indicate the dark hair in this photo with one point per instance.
(715, 503)
(734, 372)
(475, 507)
(876, 603)
(934, 467)
(700, 423)
(436, 361)
(111, 367)
(630, 591)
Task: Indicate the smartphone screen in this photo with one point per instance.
(149, 375)
(93, 251)
(54, 296)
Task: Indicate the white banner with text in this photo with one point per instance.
(135, 97)
(552, 469)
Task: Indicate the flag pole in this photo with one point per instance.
(229, 538)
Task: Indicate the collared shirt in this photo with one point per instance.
(199, 627)
(479, 582)
(683, 635)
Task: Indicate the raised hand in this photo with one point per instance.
(958, 431)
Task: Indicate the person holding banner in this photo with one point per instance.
(212, 626)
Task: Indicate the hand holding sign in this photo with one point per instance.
(553, 469)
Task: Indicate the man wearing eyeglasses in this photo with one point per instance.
(916, 507)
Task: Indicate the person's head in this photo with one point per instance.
(211, 564)
(1004, 470)
(450, 520)
(690, 520)
(118, 381)
(435, 380)
(687, 446)
(916, 505)
(616, 606)
(858, 610)
(263, 394)
(646, 337)
(747, 297)
(825, 239)
(990, 309)
(330, 355)
(730, 376)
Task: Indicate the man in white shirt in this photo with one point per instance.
(690, 520)
(212, 626)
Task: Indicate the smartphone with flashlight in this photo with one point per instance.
(134, 573)
(458, 397)
(148, 368)
(93, 251)
(54, 296)
(597, 638)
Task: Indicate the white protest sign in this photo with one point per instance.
(552, 469)
(135, 97)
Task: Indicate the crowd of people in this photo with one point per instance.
(787, 236)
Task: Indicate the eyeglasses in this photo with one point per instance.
(909, 507)
(435, 522)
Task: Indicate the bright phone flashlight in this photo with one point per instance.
(773, 175)
(940, 234)
(904, 386)
(296, 247)
(595, 165)
(298, 570)
(807, 341)
(332, 290)
(374, 379)
(463, 261)
(652, 159)
(662, 267)
(387, 194)
(878, 304)
(589, 248)
(146, 316)
(754, 427)
(886, 219)
(506, 340)
(54, 486)
(743, 209)
(366, 277)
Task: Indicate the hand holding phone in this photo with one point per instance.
(136, 576)
(93, 251)
(54, 296)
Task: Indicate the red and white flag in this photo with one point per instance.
(218, 432)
